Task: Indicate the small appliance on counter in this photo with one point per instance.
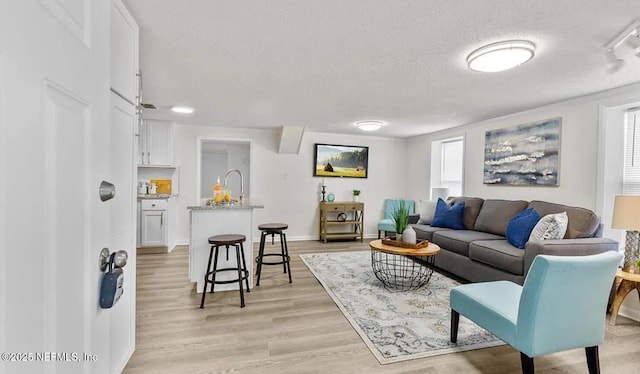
(152, 189)
(142, 188)
(163, 186)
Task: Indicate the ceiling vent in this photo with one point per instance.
(290, 140)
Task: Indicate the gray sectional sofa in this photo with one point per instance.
(481, 252)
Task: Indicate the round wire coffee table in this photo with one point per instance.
(397, 268)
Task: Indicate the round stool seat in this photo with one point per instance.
(227, 239)
(273, 226)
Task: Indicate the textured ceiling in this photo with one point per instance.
(325, 64)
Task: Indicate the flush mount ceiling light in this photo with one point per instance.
(182, 109)
(629, 36)
(369, 125)
(501, 56)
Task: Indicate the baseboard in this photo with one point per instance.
(630, 313)
(120, 367)
(289, 238)
(312, 238)
(151, 250)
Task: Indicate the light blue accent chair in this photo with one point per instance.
(561, 306)
(390, 205)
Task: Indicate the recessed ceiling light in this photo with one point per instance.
(501, 56)
(182, 109)
(369, 125)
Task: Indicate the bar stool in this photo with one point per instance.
(273, 229)
(227, 240)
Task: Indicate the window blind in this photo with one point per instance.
(631, 176)
(452, 166)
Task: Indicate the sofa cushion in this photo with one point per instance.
(426, 209)
(472, 207)
(550, 227)
(583, 223)
(519, 227)
(458, 240)
(499, 254)
(496, 214)
(447, 216)
(425, 232)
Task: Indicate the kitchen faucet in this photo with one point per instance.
(241, 182)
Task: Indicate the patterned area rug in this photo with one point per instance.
(396, 326)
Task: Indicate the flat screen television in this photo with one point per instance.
(332, 160)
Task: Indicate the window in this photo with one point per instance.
(631, 176)
(447, 165)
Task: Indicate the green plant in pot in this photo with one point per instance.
(355, 193)
(400, 217)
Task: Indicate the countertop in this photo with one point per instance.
(247, 204)
(155, 196)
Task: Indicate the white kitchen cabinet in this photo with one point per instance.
(155, 143)
(153, 223)
(124, 52)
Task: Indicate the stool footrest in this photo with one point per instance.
(285, 259)
(210, 276)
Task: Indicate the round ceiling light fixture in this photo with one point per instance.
(369, 125)
(182, 109)
(501, 56)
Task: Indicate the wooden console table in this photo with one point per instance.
(352, 225)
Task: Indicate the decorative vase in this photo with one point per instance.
(398, 237)
(331, 197)
(355, 198)
(409, 235)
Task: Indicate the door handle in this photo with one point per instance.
(107, 191)
(162, 219)
(119, 258)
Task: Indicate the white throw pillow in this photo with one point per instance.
(427, 210)
(551, 226)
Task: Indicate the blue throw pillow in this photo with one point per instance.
(519, 227)
(450, 217)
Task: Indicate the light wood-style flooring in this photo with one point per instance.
(296, 328)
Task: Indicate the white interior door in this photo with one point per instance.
(54, 152)
(122, 226)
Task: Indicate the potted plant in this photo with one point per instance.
(400, 217)
(355, 193)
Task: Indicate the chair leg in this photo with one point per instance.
(206, 278)
(286, 253)
(263, 238)
(284, 264)
(215, 268)
(378, 234)
(593, 359)
(245, 271)
(239, 262)
(527, 364)
(455, 319)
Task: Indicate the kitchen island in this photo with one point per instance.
(219, 219)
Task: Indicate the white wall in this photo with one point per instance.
(285, 183)
(578, 173)
(213, 166)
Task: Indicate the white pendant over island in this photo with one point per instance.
(220, 219)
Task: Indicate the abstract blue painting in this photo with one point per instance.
(524, 155)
